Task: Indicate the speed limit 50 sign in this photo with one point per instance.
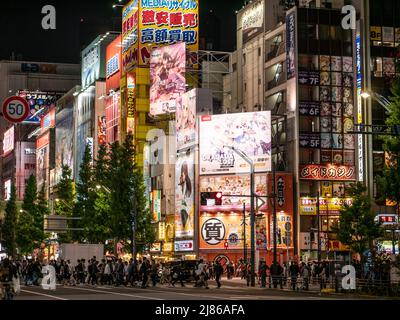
(15, 109)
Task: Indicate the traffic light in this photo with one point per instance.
(211, 198)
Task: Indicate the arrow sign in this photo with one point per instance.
(260, 203)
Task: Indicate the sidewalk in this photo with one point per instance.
(313, 289)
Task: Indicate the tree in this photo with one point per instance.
(25, 225)
(42, 210)
(65, 200)
(9, 226)
(84, 206)
(357, 227)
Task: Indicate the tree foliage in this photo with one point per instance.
(357, 227)
(25, 231)
(10, 221)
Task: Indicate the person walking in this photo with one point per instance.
(263, 274)
(293, 271)
(154, 272)
(305, 273)
(218, 271)
(144, 271)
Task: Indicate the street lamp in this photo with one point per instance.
(117, 5)
(384, 102)
(252, 210)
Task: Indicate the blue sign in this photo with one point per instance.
(358, 61)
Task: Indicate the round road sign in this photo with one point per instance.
(15, 109)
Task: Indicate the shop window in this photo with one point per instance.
(308, 62)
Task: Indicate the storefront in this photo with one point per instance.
(225, 231)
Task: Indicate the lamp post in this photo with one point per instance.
(252, 211)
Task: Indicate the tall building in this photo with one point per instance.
(41, 84)
(302, 69)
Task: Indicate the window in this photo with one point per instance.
(323, 32)
(244, 58)
(29, 151)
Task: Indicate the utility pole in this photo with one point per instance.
(318, 229)
(244, 234)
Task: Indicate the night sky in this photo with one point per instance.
(79, 22)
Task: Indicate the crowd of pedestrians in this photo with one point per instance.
(146, 272)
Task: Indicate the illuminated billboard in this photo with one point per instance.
(39, 102)
(7, 189)
(149, 24)
(249, 133)
(91, 63)
(8, 141)
(220, 230)
(64, 141)
(184, 195)
(42, 158)
(167, 78)
(253, 21)
(196, 101)
(113, 65)
(49, 120)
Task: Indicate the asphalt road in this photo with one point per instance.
(227, 292)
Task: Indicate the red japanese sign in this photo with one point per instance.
(327, 172)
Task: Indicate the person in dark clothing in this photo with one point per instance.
(144, 270)
(293, 271)
(154, 272)
(263, 274)
(218, 270)
(177, 275)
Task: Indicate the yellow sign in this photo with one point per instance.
(376, 33)
(161, 231)
(308, 206)
(168, 247)
(130, 17)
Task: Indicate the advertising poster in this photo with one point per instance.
(64, 141)
(261, 234)
(216, 229)
(249, 133)
(331, 206)
(42, 163)
(253, 21)
(291, 44)
(232, 187)
(156, 205)
(167, 78)
(40, 103)
(101, 130)
(184, 196)
(7, 190)
(8, 141)
(284, 230)
(186, 124)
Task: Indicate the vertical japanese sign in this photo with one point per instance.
(291, 44)
(360, 148)
(156, 205)
(113, 67)
(130, 18)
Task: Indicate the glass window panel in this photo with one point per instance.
(337, 157)
(337, 141)
(338, 189)
(348, 125)
(323, 32)
(326, 141)
(349, 141)
(325, 94)
(336, 63)
(337, 109)
(326, 109)
(348, 109)
(336, 78)
(347, 79)
(336, 94)
(347, 95)
(325, 78)
(336, 124)
(324, 63)
(347, 64)
(326, 124)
